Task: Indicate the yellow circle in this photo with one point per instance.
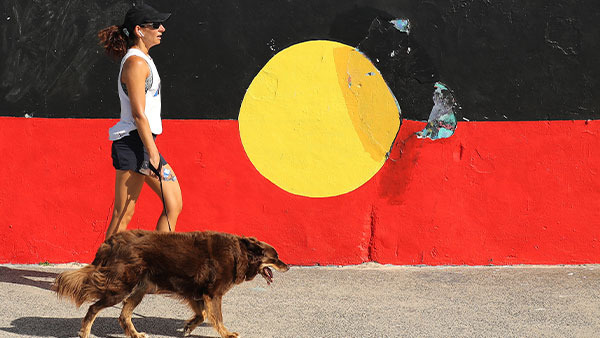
(318, 120)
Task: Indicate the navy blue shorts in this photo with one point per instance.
(129, 153)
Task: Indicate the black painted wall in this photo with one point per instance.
(503, 59)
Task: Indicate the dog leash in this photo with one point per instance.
(162, 194)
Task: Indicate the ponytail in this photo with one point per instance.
(114, 41)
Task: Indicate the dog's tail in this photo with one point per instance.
(80, 286)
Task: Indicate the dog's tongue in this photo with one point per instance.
(268, 274)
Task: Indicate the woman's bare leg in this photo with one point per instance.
(128, 185)
(172, 193)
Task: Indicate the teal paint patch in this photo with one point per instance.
(440, 86)
(445, 133)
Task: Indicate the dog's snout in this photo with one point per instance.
(281, 266)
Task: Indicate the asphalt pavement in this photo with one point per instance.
(368, 300)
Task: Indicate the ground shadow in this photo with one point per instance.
(103, 327)
(27, 277)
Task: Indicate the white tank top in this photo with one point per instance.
(152, 111)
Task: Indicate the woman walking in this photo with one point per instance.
(134, 151)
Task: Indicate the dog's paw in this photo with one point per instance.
(140, 335)
(187, 329)
(83, 334)
(192, 324)
(233, 335)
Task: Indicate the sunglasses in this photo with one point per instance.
(153, 25)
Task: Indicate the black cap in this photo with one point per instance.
(142, 14)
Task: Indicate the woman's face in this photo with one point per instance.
(151, 33)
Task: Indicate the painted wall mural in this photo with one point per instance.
(401, 132)
(318, 120)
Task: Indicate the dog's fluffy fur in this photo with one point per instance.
(198, 267)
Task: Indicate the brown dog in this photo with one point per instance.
(197, 267)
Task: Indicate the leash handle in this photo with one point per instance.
(162, 194)
(156, 171)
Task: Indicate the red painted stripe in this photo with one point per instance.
(495, 192)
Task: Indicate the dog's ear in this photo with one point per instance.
(252, 245)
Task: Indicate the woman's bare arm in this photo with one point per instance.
(134, 74)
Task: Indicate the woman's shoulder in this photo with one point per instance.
(136, 64)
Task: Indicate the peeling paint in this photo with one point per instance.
(402, 25)
(406, 67)
(442, 119)
(271, 44)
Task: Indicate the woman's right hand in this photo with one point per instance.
(154, 160)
